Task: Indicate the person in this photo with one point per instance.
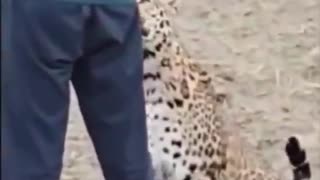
(96, 45)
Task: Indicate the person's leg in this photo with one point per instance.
(108, 82)
(39, 42)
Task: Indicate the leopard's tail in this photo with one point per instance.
(298, 159)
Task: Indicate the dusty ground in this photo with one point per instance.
(271, 52)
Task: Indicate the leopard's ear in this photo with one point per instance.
(171, 6)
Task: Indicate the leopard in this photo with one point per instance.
(187, 135)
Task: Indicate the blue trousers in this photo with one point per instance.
(47, 44)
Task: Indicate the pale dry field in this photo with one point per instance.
(269, 51)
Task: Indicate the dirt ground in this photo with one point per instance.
(269, 51)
